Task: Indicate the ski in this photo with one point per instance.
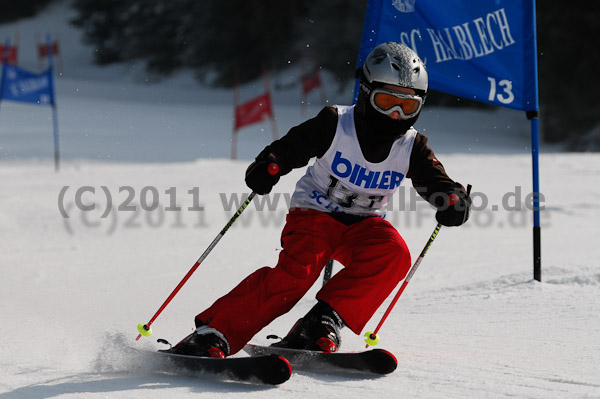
(374, 361)
(271, 369)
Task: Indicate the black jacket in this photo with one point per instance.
(313, 138)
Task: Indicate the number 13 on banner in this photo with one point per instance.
(507, 96)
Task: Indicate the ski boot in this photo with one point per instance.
(319, 330)
(205, 342)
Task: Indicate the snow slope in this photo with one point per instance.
(471, 323)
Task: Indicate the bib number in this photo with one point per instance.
(347, 198)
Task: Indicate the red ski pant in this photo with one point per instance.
(375, 260)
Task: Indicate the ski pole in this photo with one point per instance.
(372, 338)
(144, 329)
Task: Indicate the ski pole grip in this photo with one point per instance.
(453, 198)
(273, 168)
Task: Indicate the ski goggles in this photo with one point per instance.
(388, 101)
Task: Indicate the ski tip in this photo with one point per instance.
(287, 364)
(279, 370)
(390, 354)
(386, 363)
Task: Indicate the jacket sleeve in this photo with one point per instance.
(311, 138)
(428, 174)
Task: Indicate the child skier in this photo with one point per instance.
(363, 153)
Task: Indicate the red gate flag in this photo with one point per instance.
(43, 49)
(309, 83)
(253, 111)
(11, 57)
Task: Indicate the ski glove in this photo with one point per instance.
(258, 177)
(456, 210)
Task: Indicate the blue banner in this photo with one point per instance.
(17, 84)
(483, 50)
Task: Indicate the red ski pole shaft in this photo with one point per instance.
(273, 169)
(411, 272)
(199, 261)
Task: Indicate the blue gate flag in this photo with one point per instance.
(21, 85)
(482, 50)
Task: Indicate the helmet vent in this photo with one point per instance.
(395, 66)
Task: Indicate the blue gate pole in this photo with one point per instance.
(56, 141)
(53, 103)
(4, 60)
(537, 242)
(533, 115)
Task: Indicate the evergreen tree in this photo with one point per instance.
(567, 57)
(331, 32)
(103, 27)
(209, 36)
(11, 10)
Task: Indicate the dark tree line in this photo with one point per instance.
(213, 37)
(568, 58)
(11, 10)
